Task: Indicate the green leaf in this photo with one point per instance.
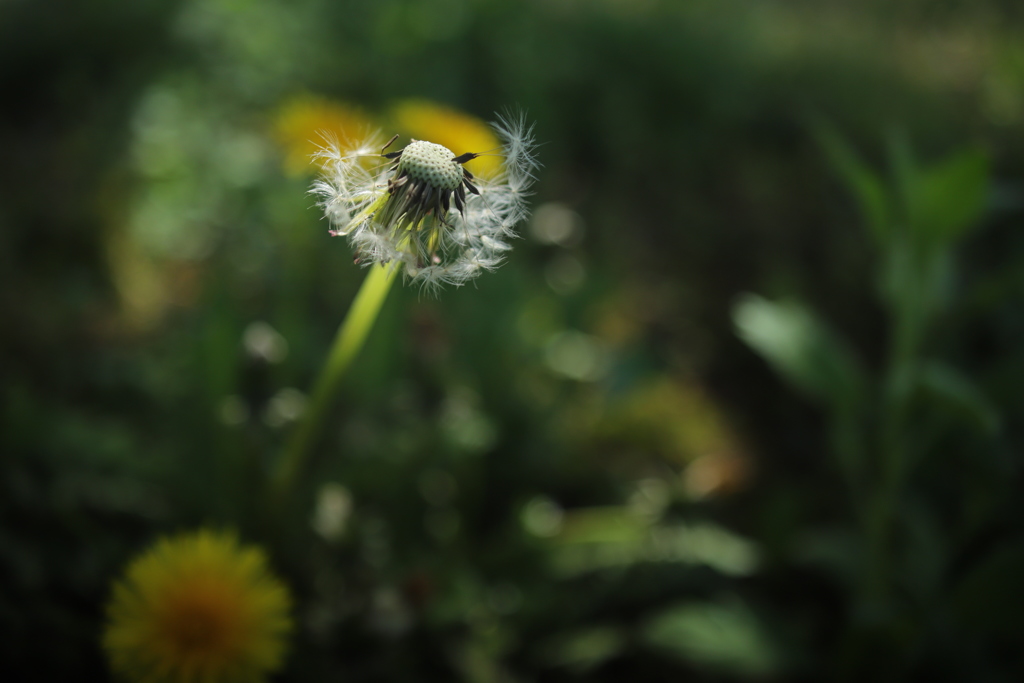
(725, 636)
(609, 537)
(904, 174)
(583, 649)
(801, 348)
(865, 185)
(959, 395)
(949, 198)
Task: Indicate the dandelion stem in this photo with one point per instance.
(347, 343)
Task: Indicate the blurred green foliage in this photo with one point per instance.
(577, 468)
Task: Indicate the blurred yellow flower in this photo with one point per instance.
(199, 608)
(459, 132)
(303, 123)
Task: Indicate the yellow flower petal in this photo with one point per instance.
(198, 608)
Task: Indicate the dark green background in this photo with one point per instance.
(693, 141)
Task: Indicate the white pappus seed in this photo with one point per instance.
(422, 210)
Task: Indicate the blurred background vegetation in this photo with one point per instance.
(744, 403)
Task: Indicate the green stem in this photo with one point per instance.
(347, 342)
(907, 321)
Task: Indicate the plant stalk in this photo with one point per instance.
(347, 342)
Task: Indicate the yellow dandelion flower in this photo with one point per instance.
(198, 608)
(459, 132)
(302, 124)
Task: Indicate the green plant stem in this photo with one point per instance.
(908, 320)
(347, 343)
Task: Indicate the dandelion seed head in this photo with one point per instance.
(419, 208)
